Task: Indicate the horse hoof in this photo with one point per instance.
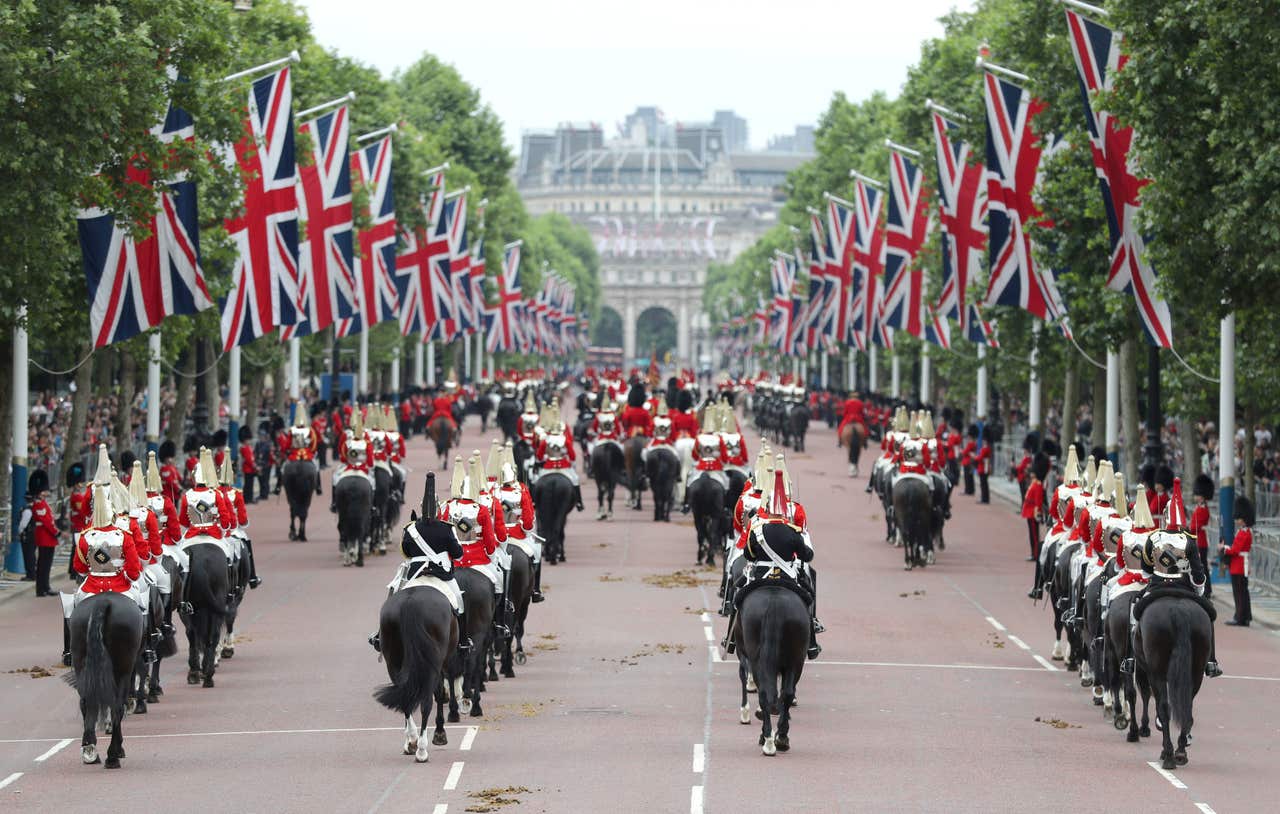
(1180, 758)
(521, 658)
(476, 712)
(1122, 722)
(751, 683)
(507, 672)
(410, 746)
(465, 704)
(421, 755)
(783, 743)
(759, 714)
(1132, 737)
(1168, 763)
(744, 715)
(89, 754)
(302, 538)
(130, 705)
(440, 739)
(193, 677)
(112, 763)
(1086, 682)
(453, 717)
(207, 683)
(770, 747)
(228, 652)
(140, 708)
(293, 535)
(153, 698)
(493, 675)
(1145, 731)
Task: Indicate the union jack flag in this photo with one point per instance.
(1013, 163)
(478, 267)
(416, 283)
(962, 205)
(980, 330)
(868, 267)
(1098, 60)
(781, 276)
(908, 225)
(264, 279)
(376, 266)
(455, 219)
(815, 303)
(826, 320)
(840, 229)
(504, 329)
(135, 282)
(327, 282)
(936, 329)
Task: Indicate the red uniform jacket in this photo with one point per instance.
(636, 419)
(189, 469)
(683, 424)
(172, 532)
(225, 518)
(95, 584)
(149, 529)
(248, 465)
(966, 454)
(81, 510)
(563, 463)
(853, 413)
(1020, 471)
(982, 462)
(302, 454)
(171, 482)
(1242, 544)
(235, 502)
(1033, 502)
(519, 530)
(1157, 502)
(495, 513)
(1199, 521)
(46, 531)
(442, 407)
(476, 553)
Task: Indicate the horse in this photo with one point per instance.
(706, 498)
(353, 495)
(662, 465)
(300, 480)
(1095, 653)
(773, 636)
(854, 437)
(1118, 647)
(633, 454)
(380, 529)
(882, 483)
(552, 499)
(1172, 648)
(168, 645)
(443, 436)
(519, 595)
(508, 418)
(480, 601)
(1060, 598)
(418, 631)
(106, 637)
(152, 627)
(912, 515)
(522, 453)
(941, 508)
(208, 592)
(797, 424)
(238, 585)
(607, 465)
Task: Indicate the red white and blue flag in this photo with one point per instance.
(422, 269)
(326, 281)
(1098, 59)
(264, 279)
(826, 321)
(376, 265)
(1013, 165)
(505, 328)
(906, 228)
(936, 328)
(868, 268)
(136, 281)
(455, 220)
(962, 205)
(980, 330)
(840, 232)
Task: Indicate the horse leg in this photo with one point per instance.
(194, 649)
(410, 735)
(477, 677)
(89, 738)
(153, 690)
(1144, 687)
(115, 750)
(1161, 688)
(766, 688)
(212, 631)
(1131, 700)
(439, 738)
(455, 687)
(420, 754)
(786, 700)
(302, 529)
(744, 711)
(293, 534)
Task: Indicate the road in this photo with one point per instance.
(934, 691)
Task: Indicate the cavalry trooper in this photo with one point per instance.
(442, 407)
(517, 516)
(777, 550)
(430, 547)
(853, 411)
(105, 555)
(395, 453)
(529, 422)
(353, 456)
(239, 514)
(743, 512)
(735, 446)
(663, 429)
(472, 523)
(604, 426)
(635, 419)
(487, 477)
(1172, 561)
(709, 455)
(302, 441)
(555, 451)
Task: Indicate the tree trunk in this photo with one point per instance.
(1190, 453)
(253, 398)
(73, 443)
(124, 402)
(213, 399)
(1099, 408)
(1070, 399)
(106, 370)
(186, 381)
(1246, 450)
(1131, 450)
(279, 390)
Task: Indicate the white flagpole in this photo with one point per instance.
(466, 357)
(20, 413)
(417, 365)
(295, 370)
(1033, 398)
(153, 391)
(1113, 403)
(294, 56)
(341, 100)
(980, 412)
(1227, 428)
(362, 383)
(395, 372)
(924, 373)
(431, 364)
(826, 361)
(895, 375)
(233, 401)
(871, 367)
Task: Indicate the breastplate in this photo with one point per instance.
(357, 453)
(556, 446)
(1169, 553)
(607, 423)
(1113, 533)
(733, 443)
(300, 437)
(156, 504)
(465, 518)
(202, 507)
(527, 422)
(708, 447)
(377, 442)
(511, 500)
(661, 428)
(106, 551)
(1135, 548)
(912, 452)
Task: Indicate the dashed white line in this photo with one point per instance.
(699, 758)
(1204, 807)
(921, 666)
(715, 654)
(55, 749)
(1167, 775)
(996, 624)
(695, 800)
(455, 774)
(441, 808)
(709, 633)
(705, 617)
(16, 775)
(1018, 642)
(469, 738)
(1045, 663)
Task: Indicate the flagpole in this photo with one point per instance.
(431, 363)
(825, 370)
(895, 374)
(1226, 428)
(391, 128)
(295, 371)
(924, 373)
(980, 412)
(1113, 405)
(417, 365)
(871, 367)
(1033, 398)
(293, 57)
(362, 383)
(233, 401)
(466, 357)
(395, 373)
(1086, 8)
(982, 64)
(153, 391)
(929, 104)
(341, 100)
(20, 412)
(866, 179)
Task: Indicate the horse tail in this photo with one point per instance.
(97, 680)
(419, 671)
(1179, 674)
(769, 654)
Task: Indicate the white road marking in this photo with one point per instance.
(1045, 663)
(55, 749)
(705, 617)
(1167, 775)
(386, 793)
(695, 800)
(455, 773)
(16, 775)
(1018, 642)
(1204, 807)
(709, 633)
(996, 624)
(699, 758)
(1250, 678)
(441, 808)
(912, 665)
(469, 738)
(245, 732)
(715, 653)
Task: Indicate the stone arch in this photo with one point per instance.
(607, 332)
(656, 330)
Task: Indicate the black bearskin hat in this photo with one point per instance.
(126, 461)
(1040, 465)
(277, 423)
(684, 401)
(1050, 447)
(635, 398)
(190, 444)
(1164, 476)
(1203, 487)
(957, 419)
(321, 406)
(75, 475)
(219, 439)
(1244, 510)
(1031, 443)
(168, 450)
(245, 434)
(946, 415)
(1099, 454)
(37, 482)
(1148, 475)
(973, 431)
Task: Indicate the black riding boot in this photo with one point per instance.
(66, 643)
(815, 649)
(537, 584)
(184, 602)
(577, 497)
(729, 645)
(254, 581)
(1036, 592)
(1211, 668)
(464, 641)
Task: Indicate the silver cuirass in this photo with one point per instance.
(557, 446)
(512, 502)
(106, 551)
(202, 507)
(300, 437)
(465, 518)
(1169, 553)
(708, 447)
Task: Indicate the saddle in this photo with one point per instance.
(1177, 591)
(719, 476)
(425, 580)
(755, 576)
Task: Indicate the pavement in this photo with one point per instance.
(935, 691)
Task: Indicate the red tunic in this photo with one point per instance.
(46, 531)
(117, 583)
(853, 412)
(442, 407)
(1242, 544)
(982, 461)
(1199, 522)
(966, 454)
(495, 514)
(81, 510)
(225, 517)
(247, 464)
(172, 532)
(478, 552)
(1020, 471)
(520, 530)
(560, 463)
(636, 420)
(306, 453)
(235, 502)
(684, 424)
(1033, 501)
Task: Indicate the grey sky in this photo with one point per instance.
(540, 63)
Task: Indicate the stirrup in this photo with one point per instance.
(818, 627)
(1127, 666)
(186, 608)
(167, 629)
(66, 658)
(375, 641)
(537, 597)
(149, 656)
(254, 582)
(729, 646)
(814, 651)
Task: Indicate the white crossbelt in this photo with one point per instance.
(788, 568)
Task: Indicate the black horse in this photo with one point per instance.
(608, 468)
(1092, 633)
(853, 437)
(508, 418)
(300, 480)
(552, 499)
(208, 593)
(773, 635)
(1060, 597)
(1118, 646)
(481, 604)
(633, 455)
(913, 518)
(520, 594)
(106, 638)
(1172, 647)
(418, 631)
(706, 497)
(380, 529)
(797, 424)
(662, 465)
(353, 496)
(153, 628)
(168, 646)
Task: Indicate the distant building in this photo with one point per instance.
(801, 141)
(734, 128)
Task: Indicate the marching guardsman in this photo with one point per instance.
(1033, 512)
(240, 515)
(635, 419)
(320, 426)
(555, 451)
(191, 451)
(683, 421)
(968, 458)
(1202, 493)
(517, 515)
(80, 500)
(301, 441)
(45, 531)
(982, 467)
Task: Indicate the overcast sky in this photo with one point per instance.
(540, 63)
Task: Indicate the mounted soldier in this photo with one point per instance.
(554, 451)
(517, 514)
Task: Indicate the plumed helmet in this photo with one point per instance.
(102, 514)
(1244, 511)
(226, 476)
(662, 406)
(1120, 501)
(1203, 486)
(121, 500)
(1104, 488)
(168, 450)
(780, 467)
(208, 470)
(458, 485)
(300, 417)
(1175, 515)
(357, 424)
(761, 470)
(510, 474)
(1040, 466)
(493, 466)
(102, 475)
(37, 482)
(475, 476)
(154, 483)
(138, 485)
(1142, 519)
(1071, 470)
(530, 405)
(766, 489)
(926, 425)
(75, 475)
(1090, 475)
(779, 501)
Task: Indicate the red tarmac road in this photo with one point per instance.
(925, 697)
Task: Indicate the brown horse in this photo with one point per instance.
(853, 436)
(444, 436)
